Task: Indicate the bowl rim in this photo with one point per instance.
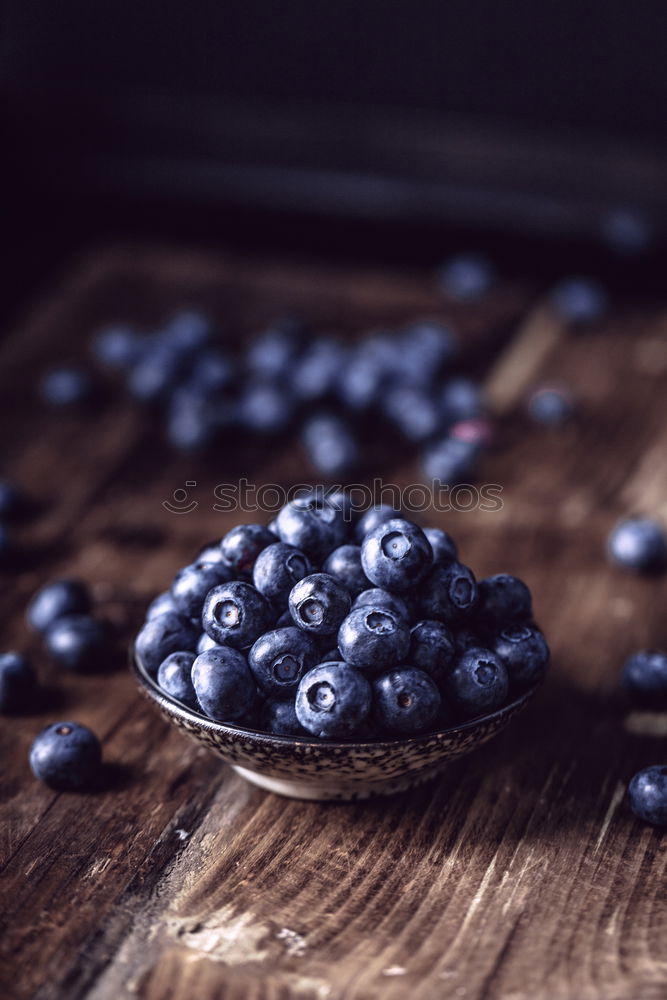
(151, 687)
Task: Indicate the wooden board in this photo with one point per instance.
(521, 873)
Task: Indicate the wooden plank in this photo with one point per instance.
(520, 874)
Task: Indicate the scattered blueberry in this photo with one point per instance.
(345, 564)
(524, 652)
(580, 301)
(235, 614)
(241, 546)
(638, 543)
(223, 684)
(432, 649)
(648, 795)
(279, 659)
(117, 347)
(414, 412)
(55, 600)
(333, 701)
(78, 643)
(155, 373)
(448, 593)
(190, 420)
(427, 349)
(467, 277)
(66, 387)
(318, 604)
(502, 599)
(175, 677)
(315, 374)
(406, 701)
(550, 405)
(450, 461)
(273, 352)
(396, 555)
(477, 684)
(372, 638)
(162, 635)
(187, 332)
(461, 399)
(265, 408)
(330, 445)
(18, 683)
(645, 678)
(192, 584)
(66, 756)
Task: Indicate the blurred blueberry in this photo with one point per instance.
(187, 332)
(160, 605)
(427, 349)
(56, 600)
(67, 387)
(413, 412)
(461, 398)
(450, 461)
(78, 643)
(315, 374)
(550, 405)
(212, 370)
(467, 277)
(191, 424)
(580, 301)
(272, 353)
(155, 373)
(627, 231)
(371, 365)
(18, 683)
(330, 445)
(265, 407)
(117, 346)
(638, 543)
(645, 678)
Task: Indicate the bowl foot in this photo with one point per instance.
(319, 791)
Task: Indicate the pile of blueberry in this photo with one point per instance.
(319, 625)
(338, 398)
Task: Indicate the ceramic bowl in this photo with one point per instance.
(305, 768)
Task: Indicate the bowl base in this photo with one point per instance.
(318, 791)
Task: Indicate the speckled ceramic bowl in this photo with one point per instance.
(305, 768)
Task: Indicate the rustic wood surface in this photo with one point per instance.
(521, 873)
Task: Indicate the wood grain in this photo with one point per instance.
(521, 873)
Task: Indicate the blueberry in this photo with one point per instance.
(550, 405)
(223, 684)
(461, 398)
(211, 552)
(66, 387)
(524, 652)
(627, 232)
(235, 614)
(414, 412)
(277, 568)
(396, 555)
(315, 374)
(370, 367)
(330, 445)
(78, 643)
(279, 718)
(648, 795)
(478, 683)
(645, 678)
(432, 649)
(382, 600)
(241, 546)
(443, 546)
(117, 346)
(372, 639)
(427, 348)
(212, 371)
(187, 332)
(160, 605)
(318, 604)
(467, 277)
(190, 421)
(333, 701)
(55, 600)
(638, 543)
(374, 517)
(503, 599)
(13, 503)
(174, 677)
(265, 408)
(66, 756)
(465, 639)
(345, 564)
(450, 461)
(18, 683)
(158, 369)
(405, 701)
(580, 301)
(312, 524)
(279, 659)
(165, 634)
(205, 642)
(192, 584)
(274, 351)
(448, 593)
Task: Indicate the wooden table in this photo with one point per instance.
(521, 873)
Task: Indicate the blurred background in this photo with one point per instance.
(356, 127)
